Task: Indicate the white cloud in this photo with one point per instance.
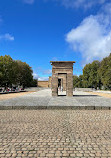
(35, 76)
(43, 71)
(28, 1)
(7, 36)
(92, 38)
(43, 78)
(48, 72)
(81, 3)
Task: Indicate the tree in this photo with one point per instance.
(14, 72)
(86, 75)
(104, 72)
(78, 81)
(90, 75)
(6, 70)
(75, 80)
(34, 83)
(1, 78)
(24, 75)
(93, 79)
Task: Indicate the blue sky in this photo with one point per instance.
(38, 31)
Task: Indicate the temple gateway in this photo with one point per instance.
(62, 77)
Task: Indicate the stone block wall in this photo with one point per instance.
(50, 82)
(62, 70)
(55, 84)
(43, 84)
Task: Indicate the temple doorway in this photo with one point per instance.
(62, 84)
(62, 78)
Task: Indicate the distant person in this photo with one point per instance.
(61, 89)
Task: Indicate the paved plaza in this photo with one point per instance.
(55, 133)
(43, 99)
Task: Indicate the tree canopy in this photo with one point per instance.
(104, 72)
(14, 72)
(78, 81)
(95, 74)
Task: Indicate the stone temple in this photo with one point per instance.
(62, 76)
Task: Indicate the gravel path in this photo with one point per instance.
(12, 95)
(103, 94)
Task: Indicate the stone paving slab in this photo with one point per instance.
(55, 134)
(43, 100)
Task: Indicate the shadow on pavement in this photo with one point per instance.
(80, 96)
(61, 95)
(85, 95)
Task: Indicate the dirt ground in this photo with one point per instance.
(101, 94)
(12, 95)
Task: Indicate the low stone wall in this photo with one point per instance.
(84, 89)
(44, 84)
(50, 81)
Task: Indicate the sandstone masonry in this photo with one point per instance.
(62, 76)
